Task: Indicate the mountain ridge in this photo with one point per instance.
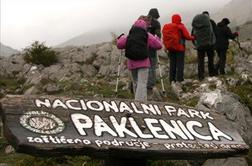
(7, 50)
(244, 15)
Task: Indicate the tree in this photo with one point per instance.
(38, 53)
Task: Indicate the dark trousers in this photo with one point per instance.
(220, 67)
(177, 66)
(201, 62)
(152, 71)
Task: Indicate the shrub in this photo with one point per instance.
(38, 53)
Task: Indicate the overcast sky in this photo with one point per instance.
(55, 21)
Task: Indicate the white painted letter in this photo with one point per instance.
(45, 103)
(190, 126)
(138, 130)
(125, 107)
(171, 130)
(149, 108)
(111, 105)
(170, 110)
(68, 103)
(100, 127)
(217, 133)
(154, 130)
(99, 107)
(121, 128)
(81, 122)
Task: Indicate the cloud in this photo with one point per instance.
(55, 21)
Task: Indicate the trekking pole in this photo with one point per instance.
(161, 76)
(118, 72)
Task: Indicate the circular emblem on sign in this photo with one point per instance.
(42, 122)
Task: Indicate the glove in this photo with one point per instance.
(236, 34)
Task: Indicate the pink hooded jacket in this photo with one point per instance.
(153, 42)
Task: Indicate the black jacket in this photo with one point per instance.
(155, 28)
(223, 34)
(214, 26)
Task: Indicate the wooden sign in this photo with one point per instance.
(50, 125)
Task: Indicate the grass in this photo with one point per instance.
(244, 92)
(191, 102)
(12, 86)
(98, 88)
(11, 83)
(18, 159)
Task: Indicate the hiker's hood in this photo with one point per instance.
(154, 13)
(140, 24)
(176, 18)
(224, 22)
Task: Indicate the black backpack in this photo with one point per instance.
(136, 46)
(203, 31)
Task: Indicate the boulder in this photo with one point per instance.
(9, 149)
(51, 88)
(210, 99)
(229, 105)
(176, 89)
(88, 70)
(238, 115)
(31, 91)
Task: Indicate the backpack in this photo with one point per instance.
(136, 45)
(172, 37)
(203, 31)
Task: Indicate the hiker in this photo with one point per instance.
(154, 29)
(211, 21)
(223, 34)
(136, 44)
(174, 36)
(204, 43)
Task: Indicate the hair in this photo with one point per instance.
(205, 12)
(147, 19)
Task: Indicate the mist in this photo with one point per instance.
(55, 21)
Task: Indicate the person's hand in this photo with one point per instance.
(236, 34)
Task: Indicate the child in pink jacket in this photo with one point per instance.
(140, 68)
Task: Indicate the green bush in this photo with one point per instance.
(38, 53)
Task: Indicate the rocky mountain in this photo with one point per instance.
(238, 11)
(91, 71)
(95, 36)
(244, 31)
(6, 50)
